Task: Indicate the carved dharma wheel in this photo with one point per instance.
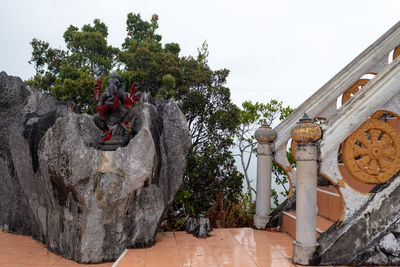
(372, 152)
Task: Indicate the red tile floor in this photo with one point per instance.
(244, 247)
(22, 251)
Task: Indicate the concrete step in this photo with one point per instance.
(329, 206)
(289, 223)
(329, 203)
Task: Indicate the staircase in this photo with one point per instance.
(381, 93)
(323, 103)
(356, 135)
(329, 211)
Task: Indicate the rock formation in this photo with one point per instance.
(371, 236)
(86, 204)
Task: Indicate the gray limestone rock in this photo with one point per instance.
(369, 229)
(396, 228)
(390, 244)
(25, 116)
(85, 204)
(394, 261)
(377, 259)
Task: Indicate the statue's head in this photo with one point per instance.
(114, 83)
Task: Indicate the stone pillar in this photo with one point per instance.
(265, 137)
(306, 134)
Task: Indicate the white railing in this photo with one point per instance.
(323, 103)
(381, 93)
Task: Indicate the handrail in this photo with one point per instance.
(373, 95)
(323, 102)
(381, 93)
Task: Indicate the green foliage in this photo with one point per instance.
(280, 177)
(151, 66)
(251, 117)
(75, 85)
(212, 121)
(172, 48)
(47, 62)
(71, 74)
(259, 113)
(140, 30)
(168, 81)
(205, 102)
(248, 207)
(88, 48)
(209, 173)
(227, 214)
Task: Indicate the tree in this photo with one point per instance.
(47, 62)
(251, 117)
(140, 30)
(71, 74)
(281, 178)
(88, 48)
(158, 69)
(206, 104)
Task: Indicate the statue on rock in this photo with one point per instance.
(86, 204)
(114, 114)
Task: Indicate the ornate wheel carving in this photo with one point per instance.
(381, 113)
(372, 152)
(293, 145)
(396, 52)
(352, 90)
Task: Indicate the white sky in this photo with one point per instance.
(281, 49)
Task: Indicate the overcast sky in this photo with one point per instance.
(281, 49)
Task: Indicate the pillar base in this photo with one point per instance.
(303, 254)
(260, 221)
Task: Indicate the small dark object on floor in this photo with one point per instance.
(198, 227)
(191, 224)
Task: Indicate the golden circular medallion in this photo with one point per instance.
(372, 152)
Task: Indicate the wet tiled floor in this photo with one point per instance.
(225, 247)
(244, 247)
(22, 251)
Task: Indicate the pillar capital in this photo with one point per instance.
(306, 131)
(265, 134)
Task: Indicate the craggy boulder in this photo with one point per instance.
(86, 204)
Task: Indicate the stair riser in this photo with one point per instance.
(329, 206)
(289, 226)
